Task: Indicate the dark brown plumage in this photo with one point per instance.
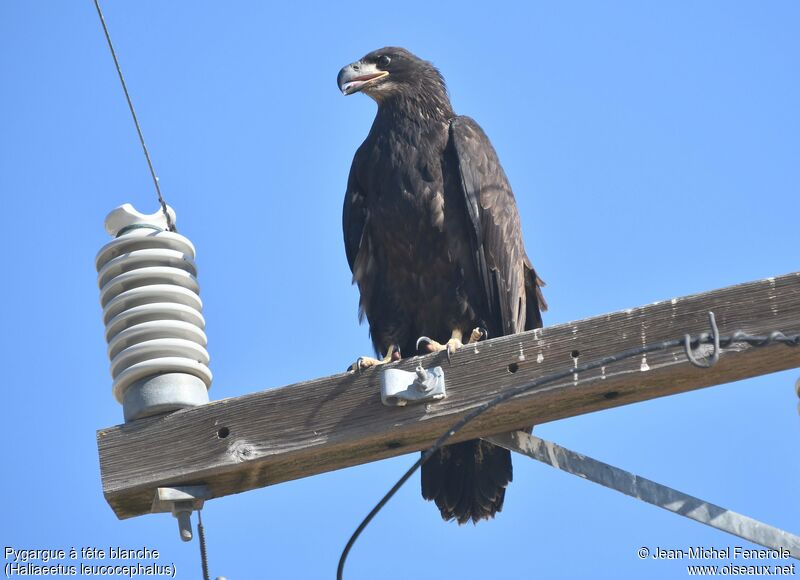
(433, 239)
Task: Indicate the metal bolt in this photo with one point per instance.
(423, 381)
(183, 511)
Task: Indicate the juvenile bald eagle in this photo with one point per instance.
(433, 239)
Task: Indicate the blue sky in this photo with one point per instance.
(653, 149)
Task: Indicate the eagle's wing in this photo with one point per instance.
(354, 217)
(357, 247)
(510, 286)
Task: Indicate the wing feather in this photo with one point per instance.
(510, 285)
(354, 217)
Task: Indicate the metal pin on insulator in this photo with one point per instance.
(152, 314)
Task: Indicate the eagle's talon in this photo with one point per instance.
(477, 335)
(365, 362)
(431, 345)
(452, 346)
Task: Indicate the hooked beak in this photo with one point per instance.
(354, 77)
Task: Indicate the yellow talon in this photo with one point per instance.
(477, 335)
(365, 362)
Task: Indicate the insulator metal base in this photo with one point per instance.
(163, 394)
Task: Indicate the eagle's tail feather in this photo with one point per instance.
(467, 480)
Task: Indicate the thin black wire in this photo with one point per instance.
(170, 225)
(201, 536)
(687, 342)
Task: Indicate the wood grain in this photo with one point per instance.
(277, 435)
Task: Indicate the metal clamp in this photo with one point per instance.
(398, 387)
(181, 502)
(687, 345)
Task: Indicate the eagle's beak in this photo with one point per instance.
(358, 75)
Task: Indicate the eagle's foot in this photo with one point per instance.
(431, 345)
(365, 362)
(477, 335)
(452, 345)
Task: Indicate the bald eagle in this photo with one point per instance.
(433, 239)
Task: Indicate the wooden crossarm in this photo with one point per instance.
(281, 434)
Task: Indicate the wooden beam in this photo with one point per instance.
(277, 435)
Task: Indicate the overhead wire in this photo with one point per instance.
(170, 224)
(201, 537)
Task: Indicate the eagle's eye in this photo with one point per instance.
(383, 60)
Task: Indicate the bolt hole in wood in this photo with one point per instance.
(223, 432)
(575, 353)
(513, 367)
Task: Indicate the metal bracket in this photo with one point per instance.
(181, 502)
(649, 491)
(398, 387)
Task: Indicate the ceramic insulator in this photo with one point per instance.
(152, 312)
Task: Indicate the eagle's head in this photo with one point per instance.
(389, 72)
